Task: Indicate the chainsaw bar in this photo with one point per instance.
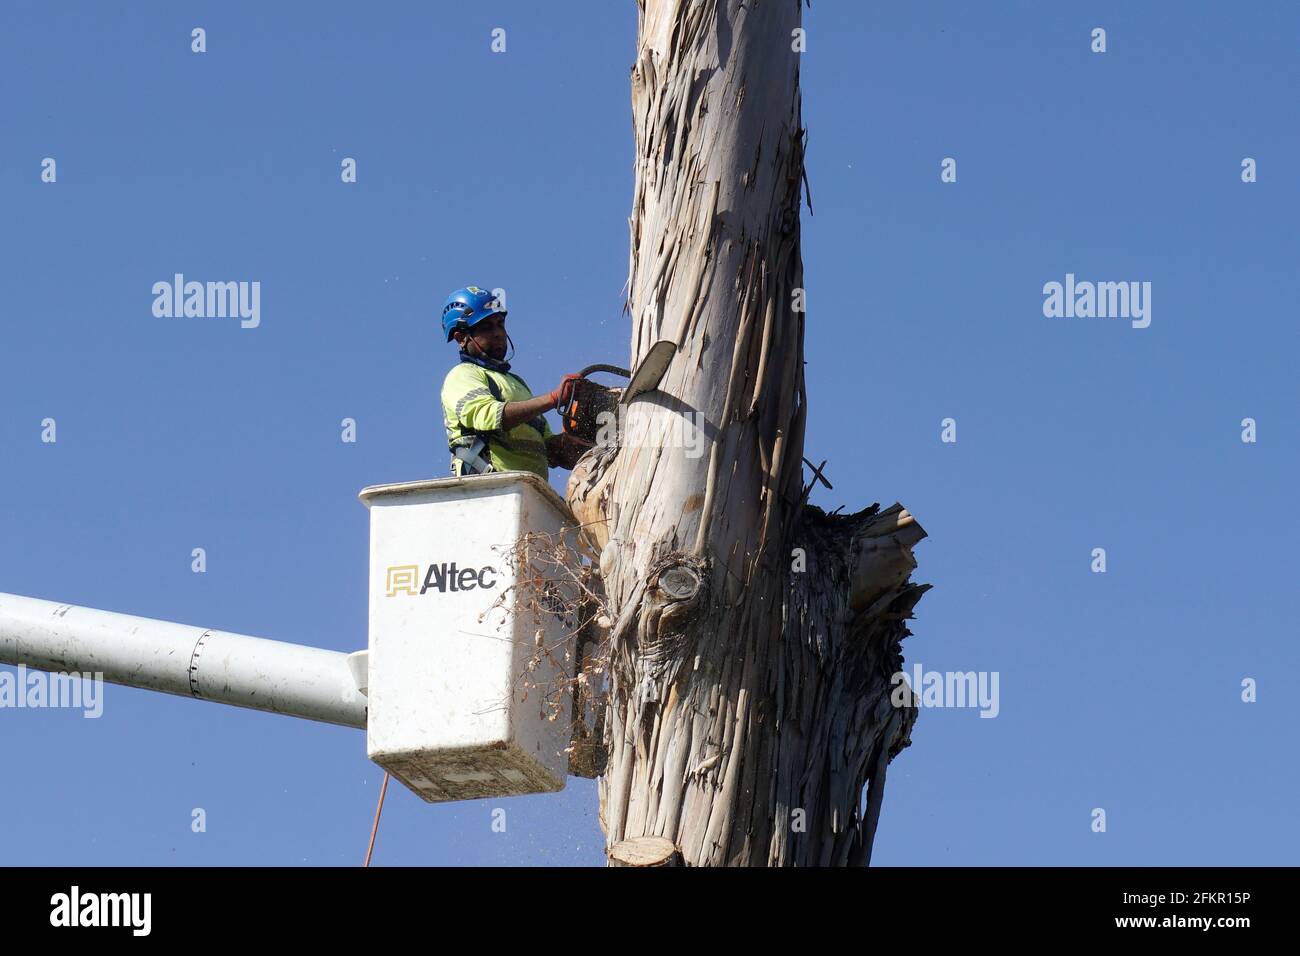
(651, 370)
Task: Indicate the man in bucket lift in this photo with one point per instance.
(493, 421)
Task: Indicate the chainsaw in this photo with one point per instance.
(582, 413)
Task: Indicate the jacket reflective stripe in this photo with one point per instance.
(472, 393)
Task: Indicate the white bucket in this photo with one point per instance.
(455, 713)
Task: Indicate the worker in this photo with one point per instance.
(493, 421)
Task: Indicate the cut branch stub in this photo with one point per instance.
(883, 559)
(644, 851)
(680, 582)
(677, 592)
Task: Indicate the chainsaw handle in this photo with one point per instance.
(612, 369)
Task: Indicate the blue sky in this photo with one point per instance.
(1118, 690)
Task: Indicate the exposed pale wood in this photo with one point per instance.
(644, 851)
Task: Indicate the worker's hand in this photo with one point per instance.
(561, 395)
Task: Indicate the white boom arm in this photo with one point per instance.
(290, 679)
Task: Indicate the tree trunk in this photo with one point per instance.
(754, 636)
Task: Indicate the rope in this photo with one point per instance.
(374, 830)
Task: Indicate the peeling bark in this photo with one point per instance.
(749, 698)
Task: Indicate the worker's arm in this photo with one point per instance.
(516, 413)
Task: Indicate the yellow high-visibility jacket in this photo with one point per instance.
(473, 402)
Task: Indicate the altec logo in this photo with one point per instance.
(405, 578)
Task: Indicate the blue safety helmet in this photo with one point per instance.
(467, 307)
